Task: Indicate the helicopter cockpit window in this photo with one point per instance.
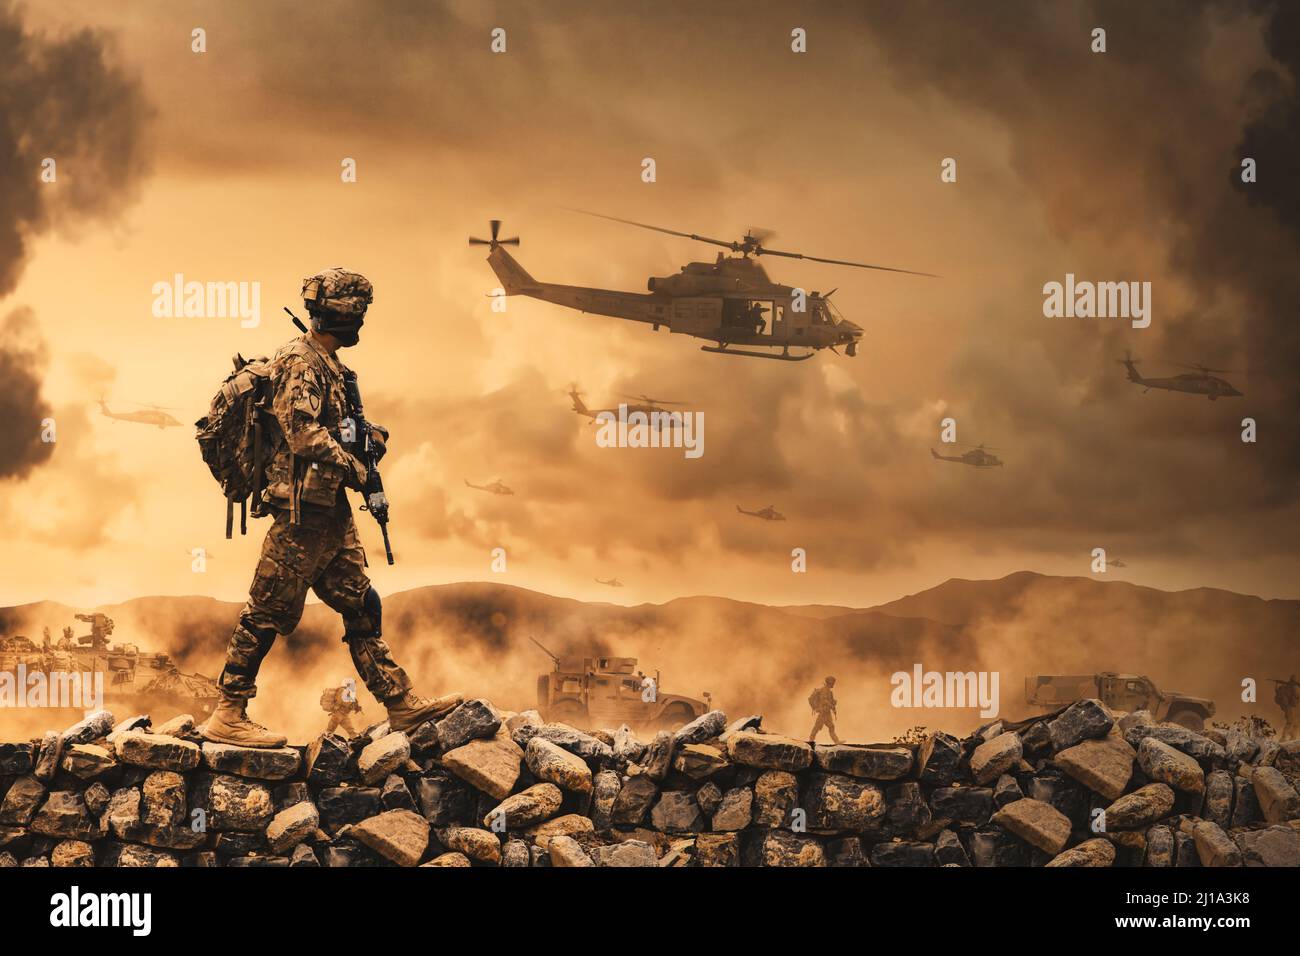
(820, 314)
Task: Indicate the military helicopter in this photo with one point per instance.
(730, 301)
(636, 403)
(611, 583)
(150, 415)
(767, 514)
(496, 488)
(1198, 382)
(978, 456)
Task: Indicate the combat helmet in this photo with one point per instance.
(336, 300)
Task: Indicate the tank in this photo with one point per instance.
(134, 681)
(599, 691)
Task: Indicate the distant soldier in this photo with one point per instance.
(1287, 696)
(340, 703)
(822, 702)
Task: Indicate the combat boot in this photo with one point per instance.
(410, 710)
(229, 724)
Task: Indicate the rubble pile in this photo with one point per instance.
(487, 788)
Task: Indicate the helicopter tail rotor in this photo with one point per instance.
(495, 226)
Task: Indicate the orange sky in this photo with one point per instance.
(1065, 165)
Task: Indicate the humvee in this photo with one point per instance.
(1125, 692)
(607, 691)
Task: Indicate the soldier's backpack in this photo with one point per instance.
(329, 699)
(234, 437)
(814, 699)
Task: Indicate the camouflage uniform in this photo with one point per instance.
(313, 541)
(341, 711)
(1287, 696)
(822, 702)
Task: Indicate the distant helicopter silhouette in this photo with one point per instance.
(151, 415)
(767, 514)
(637, 403)
(496, 488)
(978, 456)
(1197, 382)
(612, 582)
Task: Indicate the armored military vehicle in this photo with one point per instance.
(609, 691)
(1123, 692)
(134, 680)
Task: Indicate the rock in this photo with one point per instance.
(343, 806)
(605, 789)
(488, 765)
(97, 798)
(472, 720)
(523, 726)
(158, 753)
(1278, 800)
(871, 763)
(384, 756)
(178, 726)
(702, 728)
(1006, 790)
(948, 850)
(279, 763)
(965, 804)
(1140, 808)
(1180, 738)
(907, 813)
(1164, 764)
(291, 826)
(839, 802)
(233, 803)
(50, 754)
(1086, 719)
(677, 812)
(400, 836)
(16, 759)
(902, 853)
(395, 794)
(566, 851)
(1273, 846)
(717, 849)
(1095, 852)
(1035, 822)
(442, 798)
(627, 747)
(515, 854)
(633, 800)
(73, 853)
(627, 853)
(449, 859)
(1214, 847)
(994, 846)
(995, 757)
(735, 811)
(1104, 766)
(539, 802)
(567, 825)
(1218, 798)
(658, 757)
(1160, 847)
(64, 815)
(327, 760)
(88, 761)
(552, 763)
(131, 855)
(20, 803)
(303, 855)
(769, 751)
(938, 759)
(93, 727)
(576, 742)
(783, 848)
(776, 793)
(476, 844)
(163, 799)
(699, 761)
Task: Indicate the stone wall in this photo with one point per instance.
(486, 788)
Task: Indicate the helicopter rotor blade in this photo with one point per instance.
(672, 232)
(651, 401)
(763, 251)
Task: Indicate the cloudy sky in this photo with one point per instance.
(225, 166)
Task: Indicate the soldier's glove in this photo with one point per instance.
(356, 479)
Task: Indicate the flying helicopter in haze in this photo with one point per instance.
(636, 403)
(149, 415)
(730, 301)
(496, 488)
(1198, 382)
(767, 514)
(612, 582)
(978, 456)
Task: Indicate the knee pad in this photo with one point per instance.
(367, 621)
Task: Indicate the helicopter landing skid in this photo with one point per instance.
(785, 355)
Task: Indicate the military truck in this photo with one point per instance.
(609, 691)
(1123, 692)
(146, 682)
